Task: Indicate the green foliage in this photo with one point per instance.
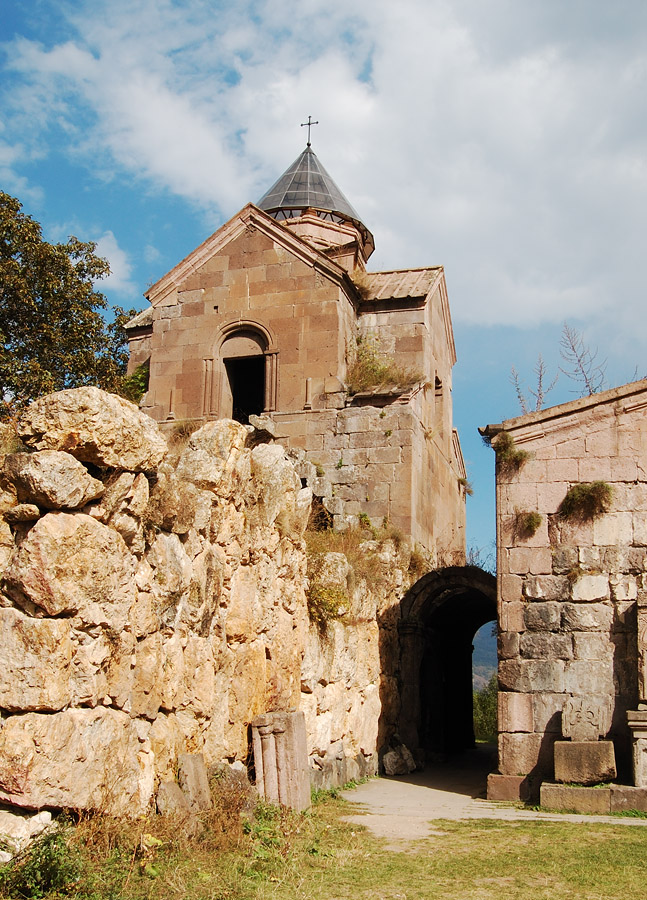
(586, 501)
(508, 455)
(485, 709)
(49, 864)
(326, 603)
(371, 369)
(52, 333)
(133, 387)
(526, 523)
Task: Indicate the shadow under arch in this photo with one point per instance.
(440, 614)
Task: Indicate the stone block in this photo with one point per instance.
(89, 759)
(511, 616)
(511, 589)
(624, 797)
(592, 645)
(194, 782)
(591, 588)
(547, 712)
(564, 559)
(508, 644)
(35, 659)
(513, 676)
(583, 677)
(546, 587)
(520, 754)
(575, 799)
(550, 495)
(584, 762)
(543, 616)
(589, 557)
(623, 587)
(515, 712)
(508, 788)
(545, 675)
(537, 645)
(589, 617)
(170, 799)
(613, 528)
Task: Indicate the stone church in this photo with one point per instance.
(274, 315)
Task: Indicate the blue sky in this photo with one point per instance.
(504, 139)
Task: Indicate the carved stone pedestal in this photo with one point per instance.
(637, 721)
(281, 759)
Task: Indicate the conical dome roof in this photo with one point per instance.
(306, 184)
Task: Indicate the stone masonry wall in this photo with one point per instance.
(153, 602)
(567, 593)
(384, 463)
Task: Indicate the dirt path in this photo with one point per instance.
(402, 808)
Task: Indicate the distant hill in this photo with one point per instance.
(484, 658)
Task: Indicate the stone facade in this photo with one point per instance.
(265, 317)
(569, 586)
(155, 604)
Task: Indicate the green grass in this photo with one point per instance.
(278, 855)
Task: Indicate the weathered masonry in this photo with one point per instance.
(265, 318)
(572, 585)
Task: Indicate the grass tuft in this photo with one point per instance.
(586, 501)
(371, 369)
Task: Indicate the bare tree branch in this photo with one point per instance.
(516, 383)
(538, 393)
(583, 367)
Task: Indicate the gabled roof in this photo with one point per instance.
(249, 217)
(307, 185)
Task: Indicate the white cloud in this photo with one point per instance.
(506, 140)
(119, 280)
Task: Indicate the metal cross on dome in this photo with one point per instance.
(309, 123)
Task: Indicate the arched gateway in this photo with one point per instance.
(441, 613)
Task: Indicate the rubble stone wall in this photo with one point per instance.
(153, 603)
(568, 592)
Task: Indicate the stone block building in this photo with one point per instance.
(571, 578)
(268, 316)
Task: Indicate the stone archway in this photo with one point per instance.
(440, 615)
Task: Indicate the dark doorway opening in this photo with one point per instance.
(247, 384)
(441, 615)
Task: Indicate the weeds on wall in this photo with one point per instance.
(586, 501)
(526, 523)
(328, 602)
(508, 456)
(133, 387)
(371, 369)
(466, 485)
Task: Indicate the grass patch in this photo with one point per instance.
(508, 456)
(371, 369)
(526, 523)
(586, 501)
(278, 855)
(329, 600)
